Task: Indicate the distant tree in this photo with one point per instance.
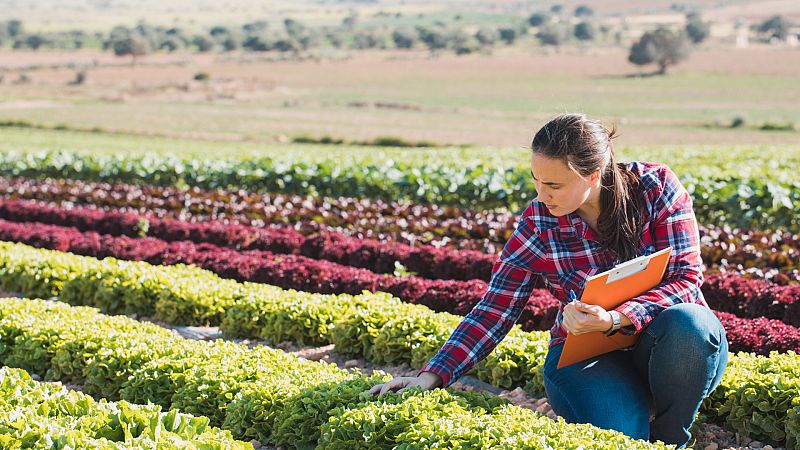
(404, 38)
(434, 39)
(583, 11)
(301, 36)
(463, 43)
(368, 39)
(551, 35)
(775, 26)
(78, 38)
(556, 9)
(35, 41)
(335, 38)
(171, 43)
(14, 28)
(230, 43)
(256, 27)
(293, 27)
(487, 36)
(117, 33)
(286, 45)
(178, 33)
(696, 29)
(134, 46)
(662, 47)
(585, 31)
(309, 39)
(147, 32)
(257, 43)
(538, 19)
(219, 31)
(203, 43)
(508, 35)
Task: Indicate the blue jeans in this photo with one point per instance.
(678, 360)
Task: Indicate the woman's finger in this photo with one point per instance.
(391, 386)
(590, 309)
(569, 322)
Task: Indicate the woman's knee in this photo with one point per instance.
(687, 321)
(690, 349)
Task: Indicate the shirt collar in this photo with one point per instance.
(573, 223)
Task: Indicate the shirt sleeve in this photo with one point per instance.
(490, 320)
(674, 225)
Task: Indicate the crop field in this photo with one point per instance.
(366, 274)
(206, 291)
(208, 249)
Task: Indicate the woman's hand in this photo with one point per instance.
(580, 318)
(425, 380)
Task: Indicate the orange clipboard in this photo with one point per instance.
(609, 290)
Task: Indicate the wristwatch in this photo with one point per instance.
(615, 323)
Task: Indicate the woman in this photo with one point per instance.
(590, 214)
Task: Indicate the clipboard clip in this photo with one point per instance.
(626, 271)
(633, 266)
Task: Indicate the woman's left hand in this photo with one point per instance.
(580, 318)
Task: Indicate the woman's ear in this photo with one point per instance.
(594, 178)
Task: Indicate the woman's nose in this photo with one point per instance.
(544, 196)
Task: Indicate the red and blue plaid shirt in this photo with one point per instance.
(564, 252)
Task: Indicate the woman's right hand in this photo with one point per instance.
(425, 380)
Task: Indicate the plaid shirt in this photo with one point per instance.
(564, 251)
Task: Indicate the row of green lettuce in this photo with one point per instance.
(48, 415)
(742, 201)
(751, 160)
(758, 395)
(266, 394)
(376, 326)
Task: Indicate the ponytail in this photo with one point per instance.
(622, 207)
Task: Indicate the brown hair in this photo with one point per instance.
(585, 145)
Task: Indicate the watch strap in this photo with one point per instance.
(615, 323)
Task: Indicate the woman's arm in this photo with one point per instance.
(674, 225)
(480, 331)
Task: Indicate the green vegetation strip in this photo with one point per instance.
(376, 326)
(47, 415)
(264, 393)
(748, 161)
(765, 198)
(758, 396)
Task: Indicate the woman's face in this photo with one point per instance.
(558, 187)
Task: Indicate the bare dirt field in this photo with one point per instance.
(496, 99)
